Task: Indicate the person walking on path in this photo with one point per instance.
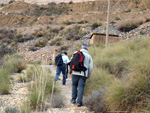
(79, 77)
(62, 68)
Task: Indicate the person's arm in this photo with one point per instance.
(90, 68)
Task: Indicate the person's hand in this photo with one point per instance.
(70, 72)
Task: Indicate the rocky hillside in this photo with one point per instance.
(37, 30)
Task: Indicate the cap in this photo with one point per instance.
(84, 46)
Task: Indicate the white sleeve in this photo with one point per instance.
(67, 59)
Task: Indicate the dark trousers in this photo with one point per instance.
(62, 69)
(78, 83)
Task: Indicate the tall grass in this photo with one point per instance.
(14, 63)
(122, 70)
(11, 64)
(41, 86)
(4, 81)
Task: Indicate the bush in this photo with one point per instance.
(57, 101)
(11, 110)
(131, 91)
(52, 43)
(22, 79)
(40, 33)
(42, 42)
(14, 63)
(74, 33)
(26, 108)
(95, 101)
(64, 48)
(54, 30)
(67, 23)
(99, 79)
(129, 27)
(5, 50)
(41, 87)
(117, 18)
(4, 81)
(127, 11)
(11, 1)
(142, 32)
(147, 19)
(83, 22)
(95, 25)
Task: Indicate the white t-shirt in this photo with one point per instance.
(65, 59)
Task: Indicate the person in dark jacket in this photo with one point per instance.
(62, 68)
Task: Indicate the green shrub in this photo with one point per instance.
(14, 63)
(127, 11)
(117, 18)
(54, 30)
(99, 79)
(142, 32)
(26, 108)
(4, 81)
(147, 19)
(11, 110)
(22, 79)
(128, 60)
(67, 23)
(74, 33)
(83, 22)
(42, 42)
(129, 27)
(95, 25)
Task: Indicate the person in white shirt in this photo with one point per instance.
(62, 68)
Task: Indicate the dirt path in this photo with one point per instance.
(66, 92)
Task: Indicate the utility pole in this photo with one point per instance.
(107, 29)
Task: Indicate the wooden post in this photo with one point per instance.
(107, 29)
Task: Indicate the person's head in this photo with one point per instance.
(85, 46)
(65, 53)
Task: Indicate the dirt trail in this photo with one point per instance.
(66, 92)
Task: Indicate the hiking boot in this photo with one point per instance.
(79, 105)
(73, 101)
(63, 83)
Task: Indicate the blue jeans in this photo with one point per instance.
(60, 69)
(78, 83)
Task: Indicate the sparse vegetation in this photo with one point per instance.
(57, 101)
(4, 81)
(10, 64)
(56, 41)
(11, 110)
(74, 33)
(117, 18)
(40, 33)
(41, 87)
(51, 9)
(95, 25)
(128, 61)
(14, 63)
(42, 42)
(147, 19)
(67, 22)
(130, 26)
(83, 22)
(142, 32)
(127, 11)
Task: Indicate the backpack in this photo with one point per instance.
(77, 62)
(58, 60)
